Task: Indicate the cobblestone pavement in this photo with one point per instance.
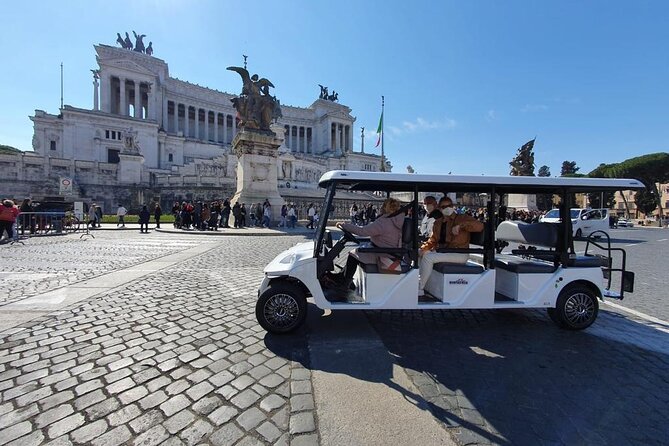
(176, 357)
(45, 263)
(514, 378)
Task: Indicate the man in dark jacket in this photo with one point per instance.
(144, 216)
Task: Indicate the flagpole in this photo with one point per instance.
(383, 162)
(61, 85)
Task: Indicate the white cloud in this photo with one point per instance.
(421, 124)
(532, 108)
(491, 115)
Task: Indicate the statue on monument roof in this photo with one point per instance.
(139, 43)
(149, 49)
(256, 107)
(128, 42)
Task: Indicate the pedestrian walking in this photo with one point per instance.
(225, 214)
(292, 218)
(144, 216)
(311, 212)
(120, 213)
(157, 212)
(8, 214)
(284, 215)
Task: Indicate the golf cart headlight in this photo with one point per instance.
(290, 258)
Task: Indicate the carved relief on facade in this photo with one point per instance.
(211, 170)
(308, 174)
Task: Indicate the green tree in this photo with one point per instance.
(569, 169)
(645, 201)
(649, 169)
(544, 201)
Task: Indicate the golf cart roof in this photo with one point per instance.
(396, 182)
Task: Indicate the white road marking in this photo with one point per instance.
(663, 240)
(633, 244)
(638, 314)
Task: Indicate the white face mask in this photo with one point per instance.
(448, 211)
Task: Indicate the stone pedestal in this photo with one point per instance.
(523, 201)
(257, 170)
(130, 168)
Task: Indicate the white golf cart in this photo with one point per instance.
(546, 274)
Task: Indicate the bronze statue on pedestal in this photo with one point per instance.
(255, 106)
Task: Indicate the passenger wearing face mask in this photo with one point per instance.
(431, 215)
(452, 231)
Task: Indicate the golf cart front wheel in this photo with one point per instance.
(282, 308)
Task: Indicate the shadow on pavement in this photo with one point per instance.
(512, 377)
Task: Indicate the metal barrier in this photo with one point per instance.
(47, 223)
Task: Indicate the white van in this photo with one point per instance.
(583, 221)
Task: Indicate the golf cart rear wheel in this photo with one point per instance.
(578, 234)
(282, 308)
(576, 308)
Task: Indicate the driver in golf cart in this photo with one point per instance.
(384, 232)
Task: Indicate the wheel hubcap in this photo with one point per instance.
(281, 310)
(579, 308)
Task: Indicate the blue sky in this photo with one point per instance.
(466, 83)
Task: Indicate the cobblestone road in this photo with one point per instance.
(175, 357)
(178, 358)
(45, 263)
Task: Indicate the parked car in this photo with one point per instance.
(625, 223)
(584, 221)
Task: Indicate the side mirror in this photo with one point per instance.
(328, 239)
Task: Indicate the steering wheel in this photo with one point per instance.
(348, 236)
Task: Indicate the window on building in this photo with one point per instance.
(112, 156)
(53, 145)
(170, 157)
(113, 134)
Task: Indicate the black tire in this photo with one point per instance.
(576, 308)
(281, 308)
(578, 234)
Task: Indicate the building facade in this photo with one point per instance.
(151, 136)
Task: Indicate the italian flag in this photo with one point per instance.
(379, 131)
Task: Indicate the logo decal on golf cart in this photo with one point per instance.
(458, 282)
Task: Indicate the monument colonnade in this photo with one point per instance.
(116, 94)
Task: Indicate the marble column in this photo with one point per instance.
(197, 122)
(105, 91)
(216, 127)
(176, 117)
(234, 126)
(165, 118)
(123, 107)
(206, 125)
(225, 128)
(186, 123)
(96, 98)
(138, 101)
